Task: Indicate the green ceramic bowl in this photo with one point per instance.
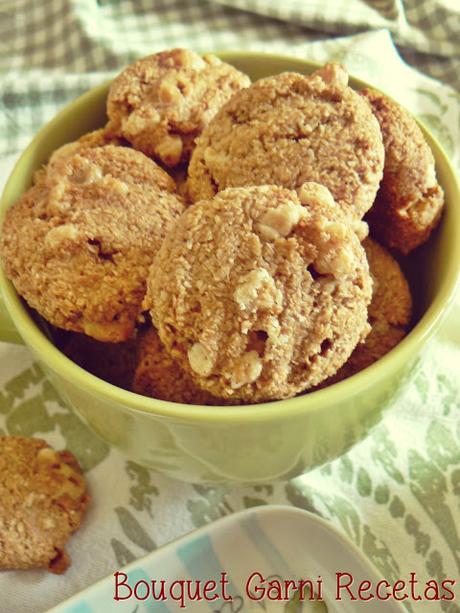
(244, 444)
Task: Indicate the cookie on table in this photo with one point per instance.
(390, 312)
(159, 376)
(410, 200)
(288, 129)
(161, 103)
(258, 296)
(43, 499)
(112, 362)
(78, 245)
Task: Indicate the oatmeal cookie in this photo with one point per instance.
(390, 312)
(289, 129)
(158, 375)
(96, 138)
(410, 200)
(258, 297)
(162, 102)
(44, 498)
(78, 244)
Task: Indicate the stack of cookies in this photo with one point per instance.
(210, 243)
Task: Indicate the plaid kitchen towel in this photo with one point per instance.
(397, 493)
(87, 40)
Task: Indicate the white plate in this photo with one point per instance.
(279, 543)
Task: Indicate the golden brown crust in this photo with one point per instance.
(391, 296)
(409, 202)
(288, 129)
(90, 165)
(78, 245)
(100, 138)
(96, 138)
(158, 375)
(161, 103)
(43, 499)
(258, 297)
(390, 312)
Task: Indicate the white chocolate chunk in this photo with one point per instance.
(86, 173)
(335, 253)
(311, 193)
(257, 290)
(279, 222)
(247, 370)
(59, 234)
(336, 262)
(200, 361)
(169, 149)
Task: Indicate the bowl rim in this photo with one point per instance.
(311, 402)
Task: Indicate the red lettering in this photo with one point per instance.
(193, 595)
(413, 582)
(122, 584)
(161, 595)
(319, 593)
(256, 594)
(397, 587)
(450, 595)
(180, 596)
(224, 583)
(306, 583)
(209, 586)
(346, 586)
(377, 590)
(365, 586)
(432, 585)
(290, 584)
(147, 589)
(273, 591)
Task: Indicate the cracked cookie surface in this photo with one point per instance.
(43, 499)
(288, 129)
(78, 245)
(162, 102)
(259, 295)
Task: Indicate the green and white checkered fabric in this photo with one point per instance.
(52, 50)
(428, 26)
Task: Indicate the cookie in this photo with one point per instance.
(257, 296)
(410, 200)
(44, 498)
(162, 102)
(112, 362)
(96, 138)
(289, 129)
(159, 376)
(390, 312)
(78, 244)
